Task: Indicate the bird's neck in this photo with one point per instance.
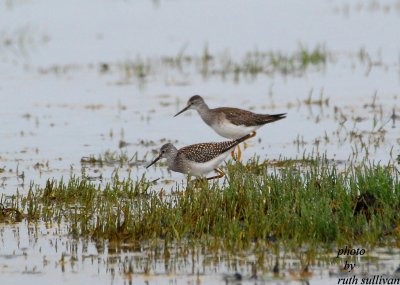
(204, 113)
(171, 159)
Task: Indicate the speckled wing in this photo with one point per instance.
(204, 152)
(246, 118)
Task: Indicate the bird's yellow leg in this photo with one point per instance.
(220, 174)
(233, 153)
(239, 153)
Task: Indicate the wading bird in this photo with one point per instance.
(231, 123)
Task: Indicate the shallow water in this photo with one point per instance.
(40, 254)
(77, 78)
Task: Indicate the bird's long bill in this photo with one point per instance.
(154, 161)
(183, 110)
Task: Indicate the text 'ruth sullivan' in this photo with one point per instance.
(374, 279)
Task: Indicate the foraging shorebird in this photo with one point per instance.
(198, 159)
(231, 123)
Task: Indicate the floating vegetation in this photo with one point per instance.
(109, 158)
(310, 203)
(319, 102)
(299, 61)
(253, 63)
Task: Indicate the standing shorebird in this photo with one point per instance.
(231, 123)
(198, 159)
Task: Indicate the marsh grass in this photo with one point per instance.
(301, 203)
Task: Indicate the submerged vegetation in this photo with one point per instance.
(312, 203)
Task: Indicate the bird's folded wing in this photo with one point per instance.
(204, 152)
(239, 117)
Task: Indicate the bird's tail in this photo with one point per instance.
(242, 139)
(272, 118)
(231, 144)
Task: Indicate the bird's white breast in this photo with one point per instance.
(200, 169)
(228, 130)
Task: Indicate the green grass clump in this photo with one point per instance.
(310, 203)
